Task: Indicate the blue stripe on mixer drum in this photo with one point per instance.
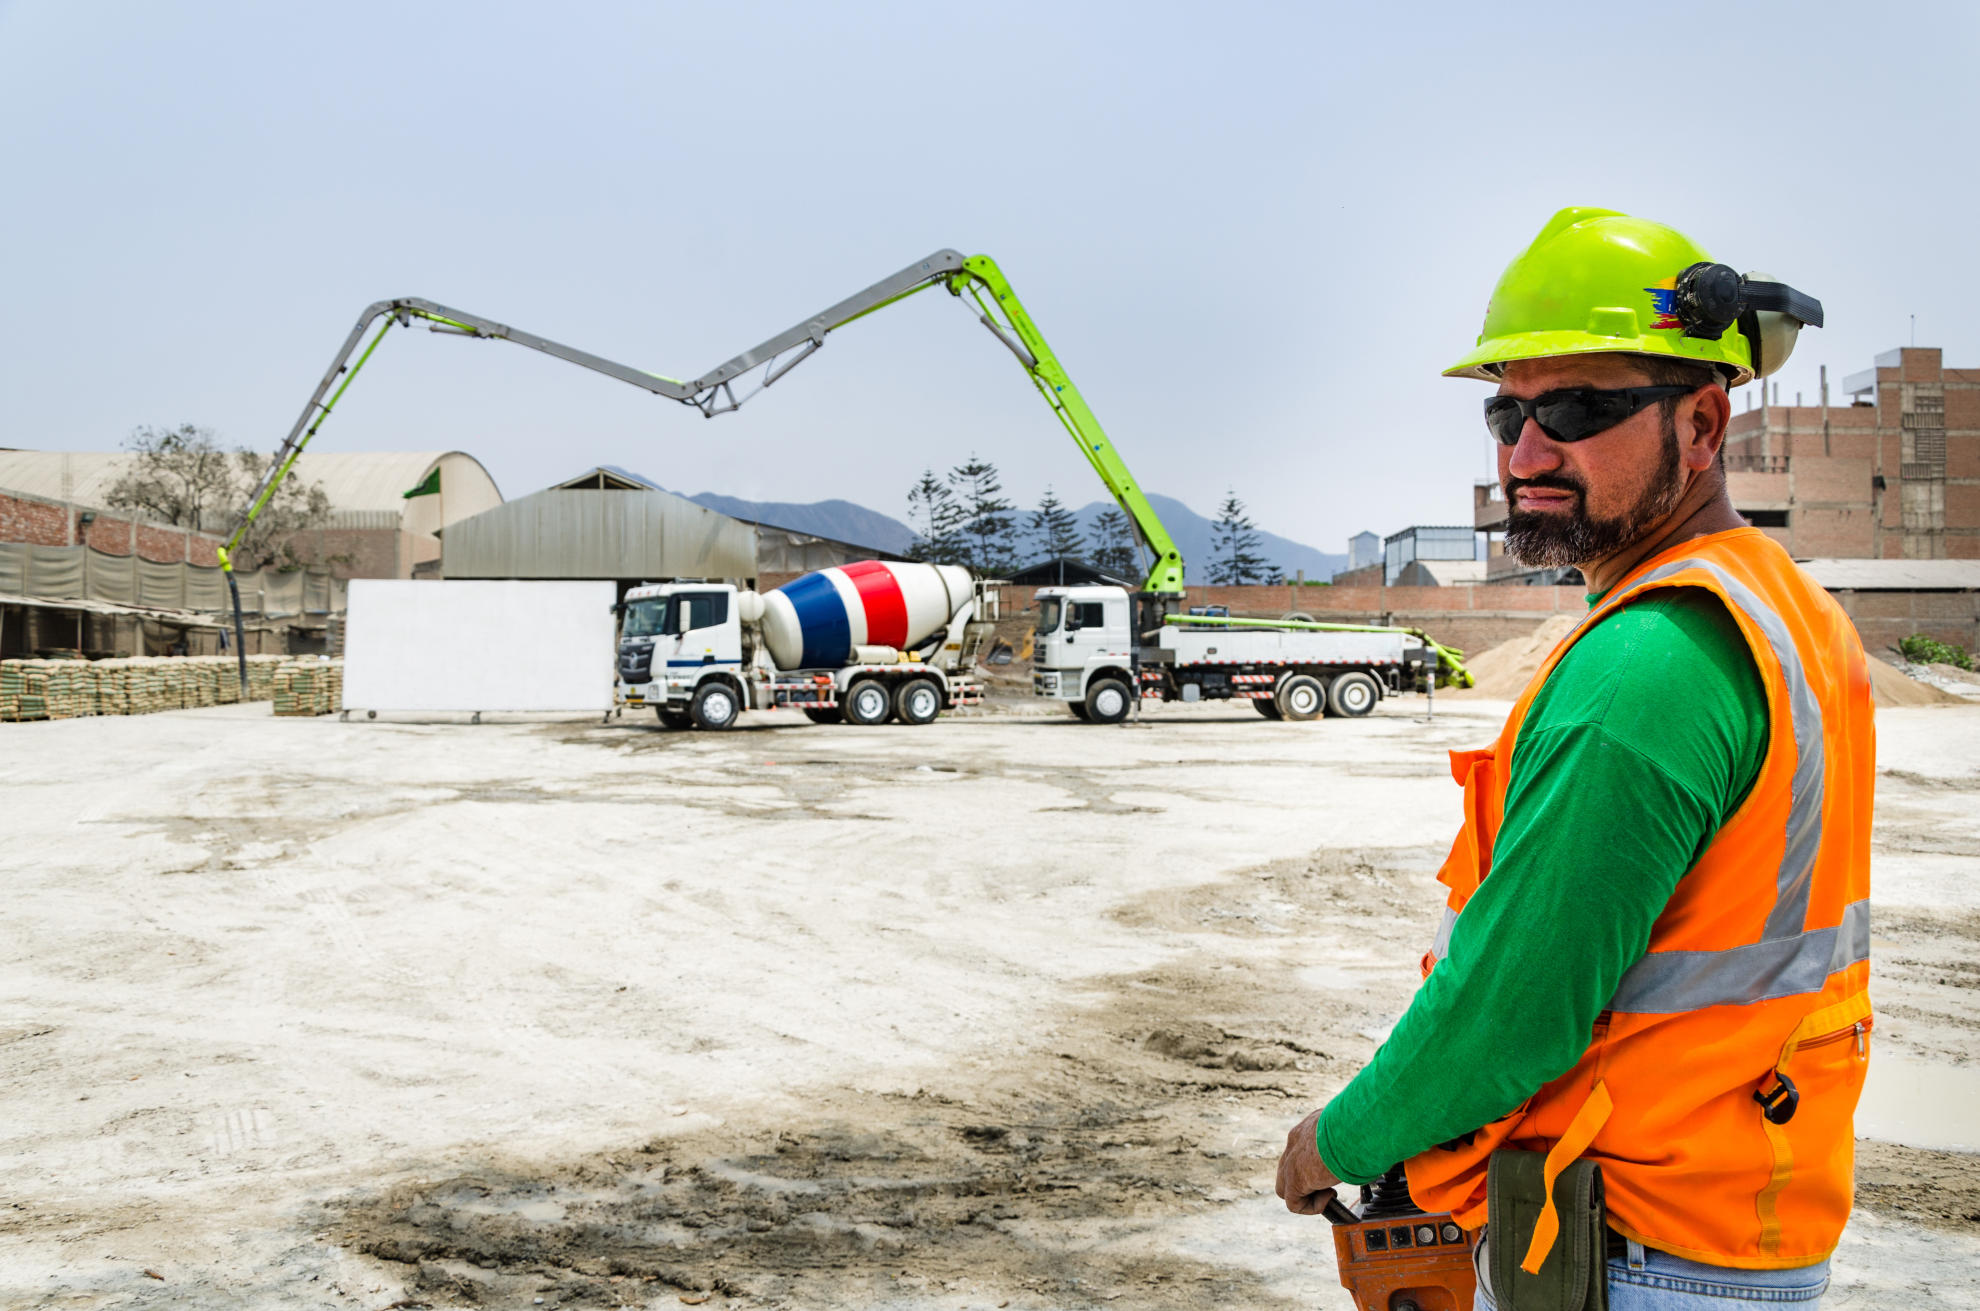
(821, 616)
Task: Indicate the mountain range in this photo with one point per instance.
(848, 522)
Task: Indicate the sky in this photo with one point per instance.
(1253, 233)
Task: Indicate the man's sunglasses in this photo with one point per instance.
(1572, 415)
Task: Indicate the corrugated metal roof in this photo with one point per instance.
(1837, 575)
(355, 481)
(564, 533)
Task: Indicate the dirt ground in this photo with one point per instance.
(1005, 1011)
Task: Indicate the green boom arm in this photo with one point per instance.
(714, 392)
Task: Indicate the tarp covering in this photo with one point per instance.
(57, 573)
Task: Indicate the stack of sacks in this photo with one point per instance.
(309, 687)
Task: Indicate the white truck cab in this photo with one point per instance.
(1083, 651)
(681, 651)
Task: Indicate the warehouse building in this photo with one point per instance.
(609, 523)
(603, 524)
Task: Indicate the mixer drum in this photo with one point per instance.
(814, 622)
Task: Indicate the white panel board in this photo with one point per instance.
(475, 645)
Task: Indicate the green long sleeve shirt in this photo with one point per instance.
(1645, 739)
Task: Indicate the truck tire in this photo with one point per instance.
(716, 706)
(866, 703)
(1078, 709)
(917, 701)
(1267, 707)
(1353, 695)
(676, 719)
(1301, 697)
(824, 714)
(1108, 701)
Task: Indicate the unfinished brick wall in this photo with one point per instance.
(162, 545)
(1474, 618)
(32, 520)
(41, 522)
(1883, 619)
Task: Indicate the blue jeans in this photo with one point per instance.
(1649, 1280)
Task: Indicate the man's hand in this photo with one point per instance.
(1305, 1182)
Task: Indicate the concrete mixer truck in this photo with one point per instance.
(1151, 649)
(862, 643)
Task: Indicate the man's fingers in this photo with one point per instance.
(1310, 1203)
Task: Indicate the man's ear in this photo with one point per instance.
(1702, 427)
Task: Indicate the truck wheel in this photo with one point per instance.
(1301, 697)
(1078, 709)
(1107, 701)
(917, 701)
(715, 706)
(824, 714)
(867, 703)
(1267, 707)
(677, 719)
(1353, 695)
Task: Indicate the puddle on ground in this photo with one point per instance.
(1920, 1105)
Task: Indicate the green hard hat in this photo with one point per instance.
(1598, 281)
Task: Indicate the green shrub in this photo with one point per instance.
(1923, 650)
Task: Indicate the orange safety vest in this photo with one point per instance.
(1757, 973)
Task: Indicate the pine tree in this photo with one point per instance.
(988, 526)
(936, 520)
(1053, 529)
(1235, 543)
(1110, 545)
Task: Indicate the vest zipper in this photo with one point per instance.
(1857, 1031)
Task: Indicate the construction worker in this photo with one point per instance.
(1655, 949)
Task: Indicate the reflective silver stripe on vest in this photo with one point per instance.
(1440, 946)
(1669, 982)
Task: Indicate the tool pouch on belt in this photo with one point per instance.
(1574, 1274)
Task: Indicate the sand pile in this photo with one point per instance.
(1502, 672)
(1893, 687)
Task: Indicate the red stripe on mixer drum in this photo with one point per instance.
(880, 594)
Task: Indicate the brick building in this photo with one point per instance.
(61, 498)
(1891, 473)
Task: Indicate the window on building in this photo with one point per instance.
(1767, 518)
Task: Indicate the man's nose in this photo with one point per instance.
(1535, 453)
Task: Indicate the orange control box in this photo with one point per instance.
(1406, 1263)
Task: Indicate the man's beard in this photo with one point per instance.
(1552, 539)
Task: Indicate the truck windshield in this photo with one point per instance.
(646, 618)
(1048, 616)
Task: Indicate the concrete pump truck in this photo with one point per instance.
(1098, 650)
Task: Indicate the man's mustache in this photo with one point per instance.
(1546, 481)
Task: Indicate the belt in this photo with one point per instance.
(1614, 1246)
